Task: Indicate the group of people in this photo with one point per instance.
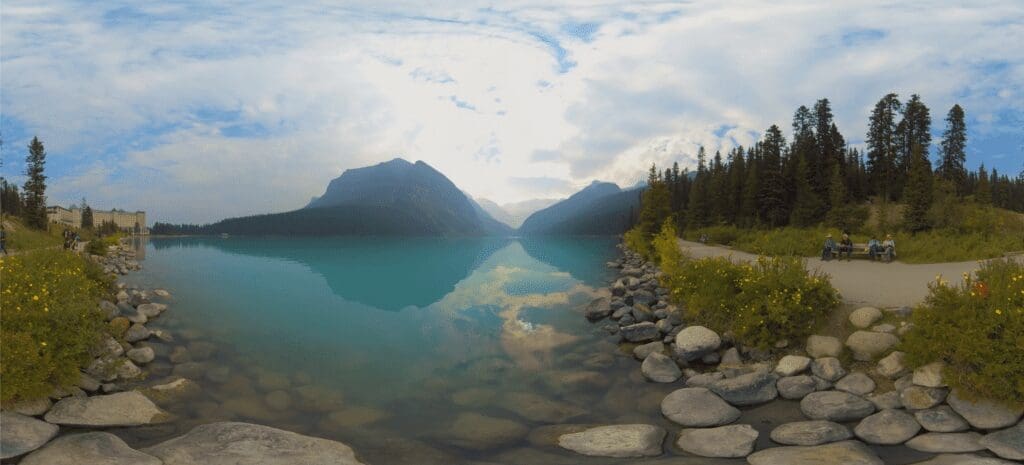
(876, 249)
(71, 239)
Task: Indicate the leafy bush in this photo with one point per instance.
(99, 245)
(49, 322)
(977, 329)
(760, 303)
(637, 241)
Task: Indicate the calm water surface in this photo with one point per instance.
(413, 351)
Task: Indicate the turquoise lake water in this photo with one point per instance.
(412, 351)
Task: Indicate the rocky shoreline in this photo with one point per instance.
(845, 410)
(110, 394)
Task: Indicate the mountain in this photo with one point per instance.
(519, 211)
(600, 208)
(491, 224)
(390, 198)
(495, 211)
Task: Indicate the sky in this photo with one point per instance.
(196, 111)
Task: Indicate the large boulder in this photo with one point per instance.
(941, 419)
(616, 441)
(795, 387)
(660, 368)
(810, 433)
(23, 434)
(598, 309)
(120, 409)
(823, 346)
(693, 342)
(698, 407)
(836, 453)
(640, 332)
(141, 355)
(728, 441)
(835, 406)
(94, 448)
(136, 333)
(749, 389)
(887, 427)
(233, 443)
(864, 317)
(946, 442)
(869, 345)
(985, 414)
(1008, 443)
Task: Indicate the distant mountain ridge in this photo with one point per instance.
(599, 209)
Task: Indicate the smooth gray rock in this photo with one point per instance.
(883, 328)
(929, 375)
(730, 441)
(748, 389)
(856, 383)
(693, 342)
(941, 419)
(31, 408)
(795, 387)
(141, 355)
(865, 316)
(964, 459)
(891, 366)
(836, 453)
(920, 397)
(93, 448)
(984, 414)
(480, 432)
(151, 310)
(946, 442)
(731, 356)
(869, 345)
(660, 368)
(810, 433)
(120, 409)
(643, 350)
(128, 370)
(640, 332)
(23, 434)
(828, 368)
(886, 400)
(792, 365)
(616, 441)
(598, 309)
(232, 443)
(823, 346)
(88, 383)
(887, 427)
(136, 333)
(698, 407)
(1007, 443)
(704, 379)
(835, 406)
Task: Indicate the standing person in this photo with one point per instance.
(889, 247)
(830, 246)
(846, 245)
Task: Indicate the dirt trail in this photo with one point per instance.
(863, 282)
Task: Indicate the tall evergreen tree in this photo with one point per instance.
(883, 146)
(913, 129)
(773, 189)
(918, 192)
(808, 206)
(86, 215)
(827, 152)
(952, 155)
(749, 207)
(983, 191)
(839, 213)
(35, 186)
(697, 210)
(737, 172)
(718, 191)
(10, 198)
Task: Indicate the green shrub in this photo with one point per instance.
(977, 329)
(637, 241)
(760, 303)
(49, 321)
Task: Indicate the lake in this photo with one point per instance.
(412, 350)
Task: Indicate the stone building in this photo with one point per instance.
(129, 222)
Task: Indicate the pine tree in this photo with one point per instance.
(951, 150)
(773, 189)
(718, 191)
(10, 198)
(840, 213)
(86, 215)
(697, 210)
(35, 186)
(913, 129)
(655, 205)
(919, 191)
(827, 152)
(808, 206)
(749, 207)
(983, 191)
(883, 147)
(737, 172)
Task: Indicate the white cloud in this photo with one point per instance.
(200, 111)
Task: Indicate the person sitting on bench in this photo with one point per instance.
(830, 247)
(846, 246)
(874, 248)
(889, 247)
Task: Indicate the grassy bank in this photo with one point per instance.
(50, 320)
(22, 238)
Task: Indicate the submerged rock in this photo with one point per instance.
(233, 443)
(660, 368)
(598, 309)
(836, 453)
(616, 441)
(698, 407)
(729, 441)
(479, 432)
(537, 408)
(810, 433)
(23, 434)
(89, 448)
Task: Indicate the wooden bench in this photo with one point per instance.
(862, 251)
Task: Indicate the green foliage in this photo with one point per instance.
(99, 245)
(34, 206)
(637, 241)
(977, 329)
(808, 208)
(918, 192)
(20, 237)
(655, 207)
(50, 321)
(760, 303)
